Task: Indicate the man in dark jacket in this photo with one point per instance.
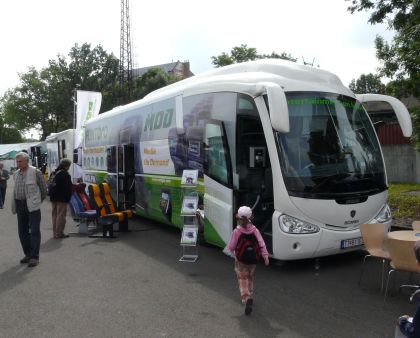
(60, 196)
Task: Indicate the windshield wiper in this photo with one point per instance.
(330, 179)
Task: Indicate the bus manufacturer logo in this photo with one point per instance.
(353, 221)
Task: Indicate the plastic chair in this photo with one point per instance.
(80, 189)
(402, 259)
(79, 213)
(110, 204)
(416, 225)
(111, 208)
(105, 219)
(375, 241)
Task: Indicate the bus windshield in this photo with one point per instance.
(331, 150)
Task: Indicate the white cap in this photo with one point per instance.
(245, 211)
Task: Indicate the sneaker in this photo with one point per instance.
(24, 260)
(248, 306)
(33, 262)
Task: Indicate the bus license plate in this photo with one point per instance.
(351, 243)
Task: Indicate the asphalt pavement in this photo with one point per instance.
(135, 286)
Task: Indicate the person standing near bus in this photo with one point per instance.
(246, 231)
(4, 176)
(29, 192)
(60, 196)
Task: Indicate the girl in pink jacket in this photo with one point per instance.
(245, 272)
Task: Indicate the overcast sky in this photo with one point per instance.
(32, 32)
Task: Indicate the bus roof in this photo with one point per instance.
(238, 77)
(54, 136)
(290, 74)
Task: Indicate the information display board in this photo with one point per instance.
(189, 207)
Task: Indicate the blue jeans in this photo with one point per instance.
(2, 196)
(29, 229)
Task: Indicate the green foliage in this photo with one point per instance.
(415, 119)
(153, 79)
(367, 83)
(43, 98)
(25, 106)
(399, 88)
(400, 58)
(95, 70)
(283, 55)
(9, 135)
(222, 60)
(401, 202)
(244, 53)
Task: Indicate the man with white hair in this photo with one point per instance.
(29, 192)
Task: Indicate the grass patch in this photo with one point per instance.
(403, 204)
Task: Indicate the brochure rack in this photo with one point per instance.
(189, 250)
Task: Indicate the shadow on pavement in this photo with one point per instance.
(51, 244)
(10, 278)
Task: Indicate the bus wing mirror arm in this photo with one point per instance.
(399, 108)
(277, 106)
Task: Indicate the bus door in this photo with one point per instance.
(126, 175)
(62, 149)
(61, 145)
(112, 164)
(218, 195)
(36, 157)
(255, 181)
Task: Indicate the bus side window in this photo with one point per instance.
(217, 159)
(111, 159)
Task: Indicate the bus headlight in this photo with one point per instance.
(296, 226)
(383, 216)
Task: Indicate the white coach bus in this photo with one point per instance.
(61, 145)
(288, 140)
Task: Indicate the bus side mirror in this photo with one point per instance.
(277, 106)
(400, 110)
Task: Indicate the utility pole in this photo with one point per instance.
(126, 58)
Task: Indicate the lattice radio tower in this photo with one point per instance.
(126, 57)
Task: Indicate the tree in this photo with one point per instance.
(400, 58)
(26, 106)
(283, 56)
(367, 83)
(415, 119)
(95, 70)
(153, 79)
(43, 99)
(244, 53)
(9, 135)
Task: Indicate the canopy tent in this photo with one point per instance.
(9, 156)
(9, 151)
